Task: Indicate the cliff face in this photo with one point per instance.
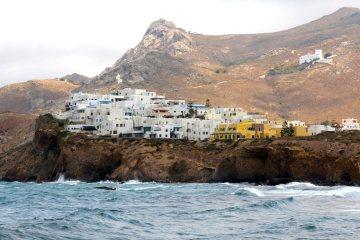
(324, 160)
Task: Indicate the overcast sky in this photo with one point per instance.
(46, 39)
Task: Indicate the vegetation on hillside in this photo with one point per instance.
(287, 69)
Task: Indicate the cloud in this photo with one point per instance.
(41, 38)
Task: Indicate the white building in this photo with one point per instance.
(80, 128)
(227, 115)
(350, 124)
(317, 56)
(296, 123)
(198, 129)
(316, 129)
(163, 131)
(200, 109)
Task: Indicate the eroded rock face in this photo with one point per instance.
(321, 160)
(156, 52)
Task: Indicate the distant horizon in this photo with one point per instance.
(33, 48)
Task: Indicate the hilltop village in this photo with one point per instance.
(137, 113)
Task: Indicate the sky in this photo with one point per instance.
(51, 38)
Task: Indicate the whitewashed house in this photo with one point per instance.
(296, 123)
(227, 115)
(198, 129)
(350, 124)
(316, 129)
(167, 131)
(308, 58)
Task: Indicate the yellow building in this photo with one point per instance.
(300, 131)
(265, 130)
(234, 131)
(277, 131)
(245, 130)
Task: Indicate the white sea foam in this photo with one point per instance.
(254, 191)
(298, 185)
(149, 188)
(309, 190)
(61, 180)
(342, 191)
(130, 182)
(230, 184)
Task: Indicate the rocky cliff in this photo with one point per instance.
(321, 160)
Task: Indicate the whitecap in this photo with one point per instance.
(230, 184)
(130, 182)
(342, 191)
(148, 188)
(255, 191)
(61, 180)
(305, 185)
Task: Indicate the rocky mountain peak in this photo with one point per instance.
(161, 44)
(159, 26)
(347, 10)
(76, 78)
(164, 36)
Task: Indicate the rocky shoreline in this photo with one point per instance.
(326, 159)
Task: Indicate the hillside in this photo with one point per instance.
(15, 128)
(34, 96)
(232, 69)
(76, 79)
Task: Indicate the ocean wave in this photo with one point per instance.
(343, 191)
(297, 185)
(255, 191)
(61, 180)
(131, 182)
(230, 184)
(273, 203)
(248, 191)
(145, 188)
(305, 189)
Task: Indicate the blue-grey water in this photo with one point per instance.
(77, 210)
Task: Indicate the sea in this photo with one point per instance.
(68, 209)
